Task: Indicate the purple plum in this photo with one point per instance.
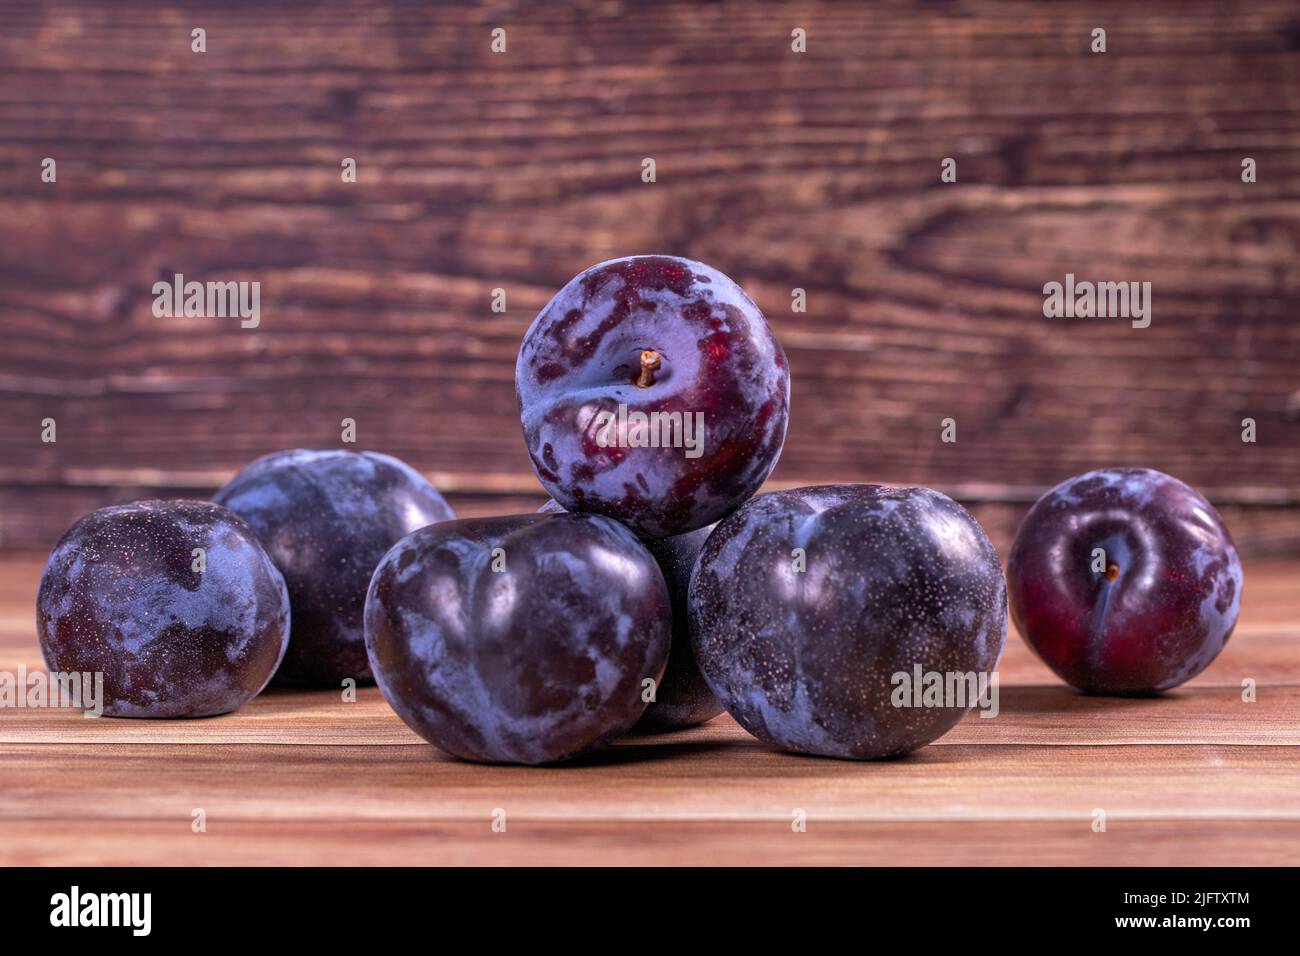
(174, 602)
(525, 639)
(683, 698)
(326, 518)
(812, 610)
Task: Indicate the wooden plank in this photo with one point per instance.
(33, 518)
(705, 775)
(1192, 842)
(1047, 715)
(480, 171)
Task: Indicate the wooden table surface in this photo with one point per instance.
(1198, 776)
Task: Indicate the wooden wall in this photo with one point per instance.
(816, 170)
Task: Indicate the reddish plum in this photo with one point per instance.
(652, 391)
(1124, 581)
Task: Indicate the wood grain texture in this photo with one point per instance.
(817, 171)
(30, 519)
(1197, 776)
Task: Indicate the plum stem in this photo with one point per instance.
(650, 362)
(1112, 572)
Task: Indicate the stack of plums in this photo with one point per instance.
(653, 590)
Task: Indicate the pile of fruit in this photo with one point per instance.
(654, 590)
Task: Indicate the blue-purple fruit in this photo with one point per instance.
(174, 602)
(808, 606)
(683, 698)
(526, 639)
(326, 518)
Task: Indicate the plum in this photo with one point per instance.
(683, 698)
(174, 632)
(809, 607)
(520, 639)
(326, 518)
(651, 390)
(1124, 581)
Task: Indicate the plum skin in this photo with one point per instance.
(894, 577)
(326, 518)
(682, 698)
(538, 662)
(120, 596)
(716, 356)
(1160, 610)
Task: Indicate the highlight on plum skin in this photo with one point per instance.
(326, 518)
(174, 602)
(654, 336)
(525, 639)
(1124, 581)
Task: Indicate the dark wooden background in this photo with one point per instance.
(819, 171)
